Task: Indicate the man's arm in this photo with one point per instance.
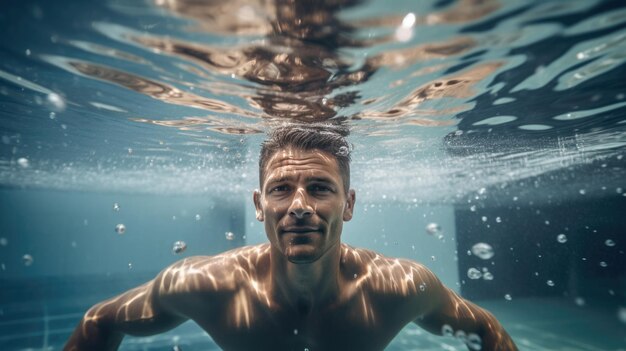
(445, 312)
(141, 311)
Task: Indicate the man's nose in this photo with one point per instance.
(300, 207)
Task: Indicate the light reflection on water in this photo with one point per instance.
(173, 96)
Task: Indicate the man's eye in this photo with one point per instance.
(320, 188)
(279, 188)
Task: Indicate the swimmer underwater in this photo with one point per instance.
(302, 290)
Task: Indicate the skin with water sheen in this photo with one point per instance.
(302, 290)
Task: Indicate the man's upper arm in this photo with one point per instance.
(139, 311)
(445, 312)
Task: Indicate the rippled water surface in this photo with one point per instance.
(510, 115)
(449, 97)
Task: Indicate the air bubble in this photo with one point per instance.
(230, 236)
(473, 208)
(550, 283)
(423, 287)
(433, 228)
(28, 260)
(474, 342)
(4, 242)
(498, 220)
(56, 102)
(446, 330)
(579, 301)
(474, 273)
(483, 250)
(621, 314)
(609, 243)
(116, 207)
(120, 229)
(582, 191)
(484, 218)
(487, 276)
(343, 151)
(198, 217)
(562, 238)
(23, 162)
(508, 297)
(179, 247)
(603, 264)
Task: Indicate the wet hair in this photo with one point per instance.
(330, 138)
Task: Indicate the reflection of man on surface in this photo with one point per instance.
(303, 290)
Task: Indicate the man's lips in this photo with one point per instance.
(300, 230)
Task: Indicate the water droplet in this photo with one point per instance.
(343, 151)
(579, 301)
(23, 162)
(120, 229)
(483, 250)
(474, 273)
(508, 297)
(116, 207)
(198, 217)
(28, 260)
(474, 342)
(487, 276)
(550, 283)
(609, 243)
(562, 238)
(179, 247)
(4, 242)
(603, 264)
(433, 228)
(230, 236)
(446, 330)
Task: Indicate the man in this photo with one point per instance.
(304, 290)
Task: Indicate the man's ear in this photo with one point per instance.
(348, 208)
(256, 197)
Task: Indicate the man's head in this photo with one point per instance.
(329, 138)
(304, 197)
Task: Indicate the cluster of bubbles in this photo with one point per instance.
(472, 340)
(474, 273)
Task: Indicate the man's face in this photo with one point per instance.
(303, 203)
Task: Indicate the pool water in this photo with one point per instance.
(489, 143)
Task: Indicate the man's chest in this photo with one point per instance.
(347, 327)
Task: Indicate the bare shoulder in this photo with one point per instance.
(389, 275)
(220, 273)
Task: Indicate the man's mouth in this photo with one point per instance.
(300, 230)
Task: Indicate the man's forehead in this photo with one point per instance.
(293, 160)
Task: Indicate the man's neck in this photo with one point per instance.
(306, 286)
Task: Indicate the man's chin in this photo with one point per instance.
(301, 254)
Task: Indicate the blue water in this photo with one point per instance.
(504, 122)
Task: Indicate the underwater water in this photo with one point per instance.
(489, 144)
